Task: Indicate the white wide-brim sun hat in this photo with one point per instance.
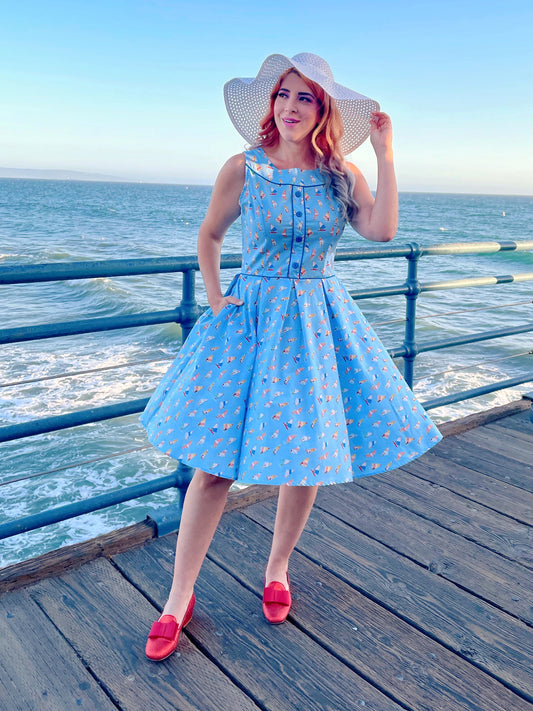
(247, 99)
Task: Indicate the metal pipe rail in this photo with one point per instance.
(186, 314)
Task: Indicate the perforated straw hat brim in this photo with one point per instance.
(247, 99)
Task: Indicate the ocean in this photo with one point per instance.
(63, 221)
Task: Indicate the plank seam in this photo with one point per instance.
(132, 582)
(225, 670)
(87, 666)
(468, 498)
(481, 471)
(451, 530)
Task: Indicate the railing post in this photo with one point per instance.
(189, 309)
(168, 518)
(413, 289)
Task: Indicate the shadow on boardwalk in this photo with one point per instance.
(412, 591)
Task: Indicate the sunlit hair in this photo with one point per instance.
(325, 141)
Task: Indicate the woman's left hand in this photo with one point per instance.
(380, 131)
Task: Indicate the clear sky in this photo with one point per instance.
(133, 88)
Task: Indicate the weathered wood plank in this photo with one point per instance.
(411, 667)
(106, 620)
(471, 520)
(518, 426)
(503, 445)
(476, 569)
(475, 486)
(489, 638)
(483, 460)
(38, 669)
(56, 562)
(250, 495)
(278, 665)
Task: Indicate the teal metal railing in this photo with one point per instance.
(187, 312)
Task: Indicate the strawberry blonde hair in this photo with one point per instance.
(325, 140)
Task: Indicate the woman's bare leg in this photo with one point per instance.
(202, 509)
(294, 506)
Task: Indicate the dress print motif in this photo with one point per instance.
(294, 386)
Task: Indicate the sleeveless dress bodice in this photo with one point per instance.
(291, 225)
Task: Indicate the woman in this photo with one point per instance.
(282, 381)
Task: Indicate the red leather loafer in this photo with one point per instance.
(164, 634)
(277, 602)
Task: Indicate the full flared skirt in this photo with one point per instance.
(292, 387)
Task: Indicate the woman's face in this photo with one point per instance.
(296, 109)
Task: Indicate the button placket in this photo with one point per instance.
(298, 208)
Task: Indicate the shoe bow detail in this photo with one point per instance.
(166, 630)
(276, 595)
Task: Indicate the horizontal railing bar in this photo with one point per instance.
(66, 467)
(71, 419)
(475, 338)
(476, 392)
(392, 290)
(488, 247)
(402, 351)
(88, 325)
(31, 273)
(374, 252)
(95, 503)
(434, 314)
(476, 281)
(76, 373)
(454, 368)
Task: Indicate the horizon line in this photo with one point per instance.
(86, 177)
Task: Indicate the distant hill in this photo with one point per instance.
(28, 173)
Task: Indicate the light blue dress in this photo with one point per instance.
(293, 387)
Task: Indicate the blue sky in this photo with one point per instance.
(134, 88)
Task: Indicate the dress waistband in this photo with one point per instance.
(304, 277)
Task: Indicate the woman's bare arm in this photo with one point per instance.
(223, 210)
(377, 219)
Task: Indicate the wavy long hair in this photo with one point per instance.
(325, 140)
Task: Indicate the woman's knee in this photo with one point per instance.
(211, 482)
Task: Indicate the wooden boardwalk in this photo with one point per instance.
(413, 590)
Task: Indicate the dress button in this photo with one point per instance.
(297, 194)
(299, 239)
(298, 214)
(295, 266)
